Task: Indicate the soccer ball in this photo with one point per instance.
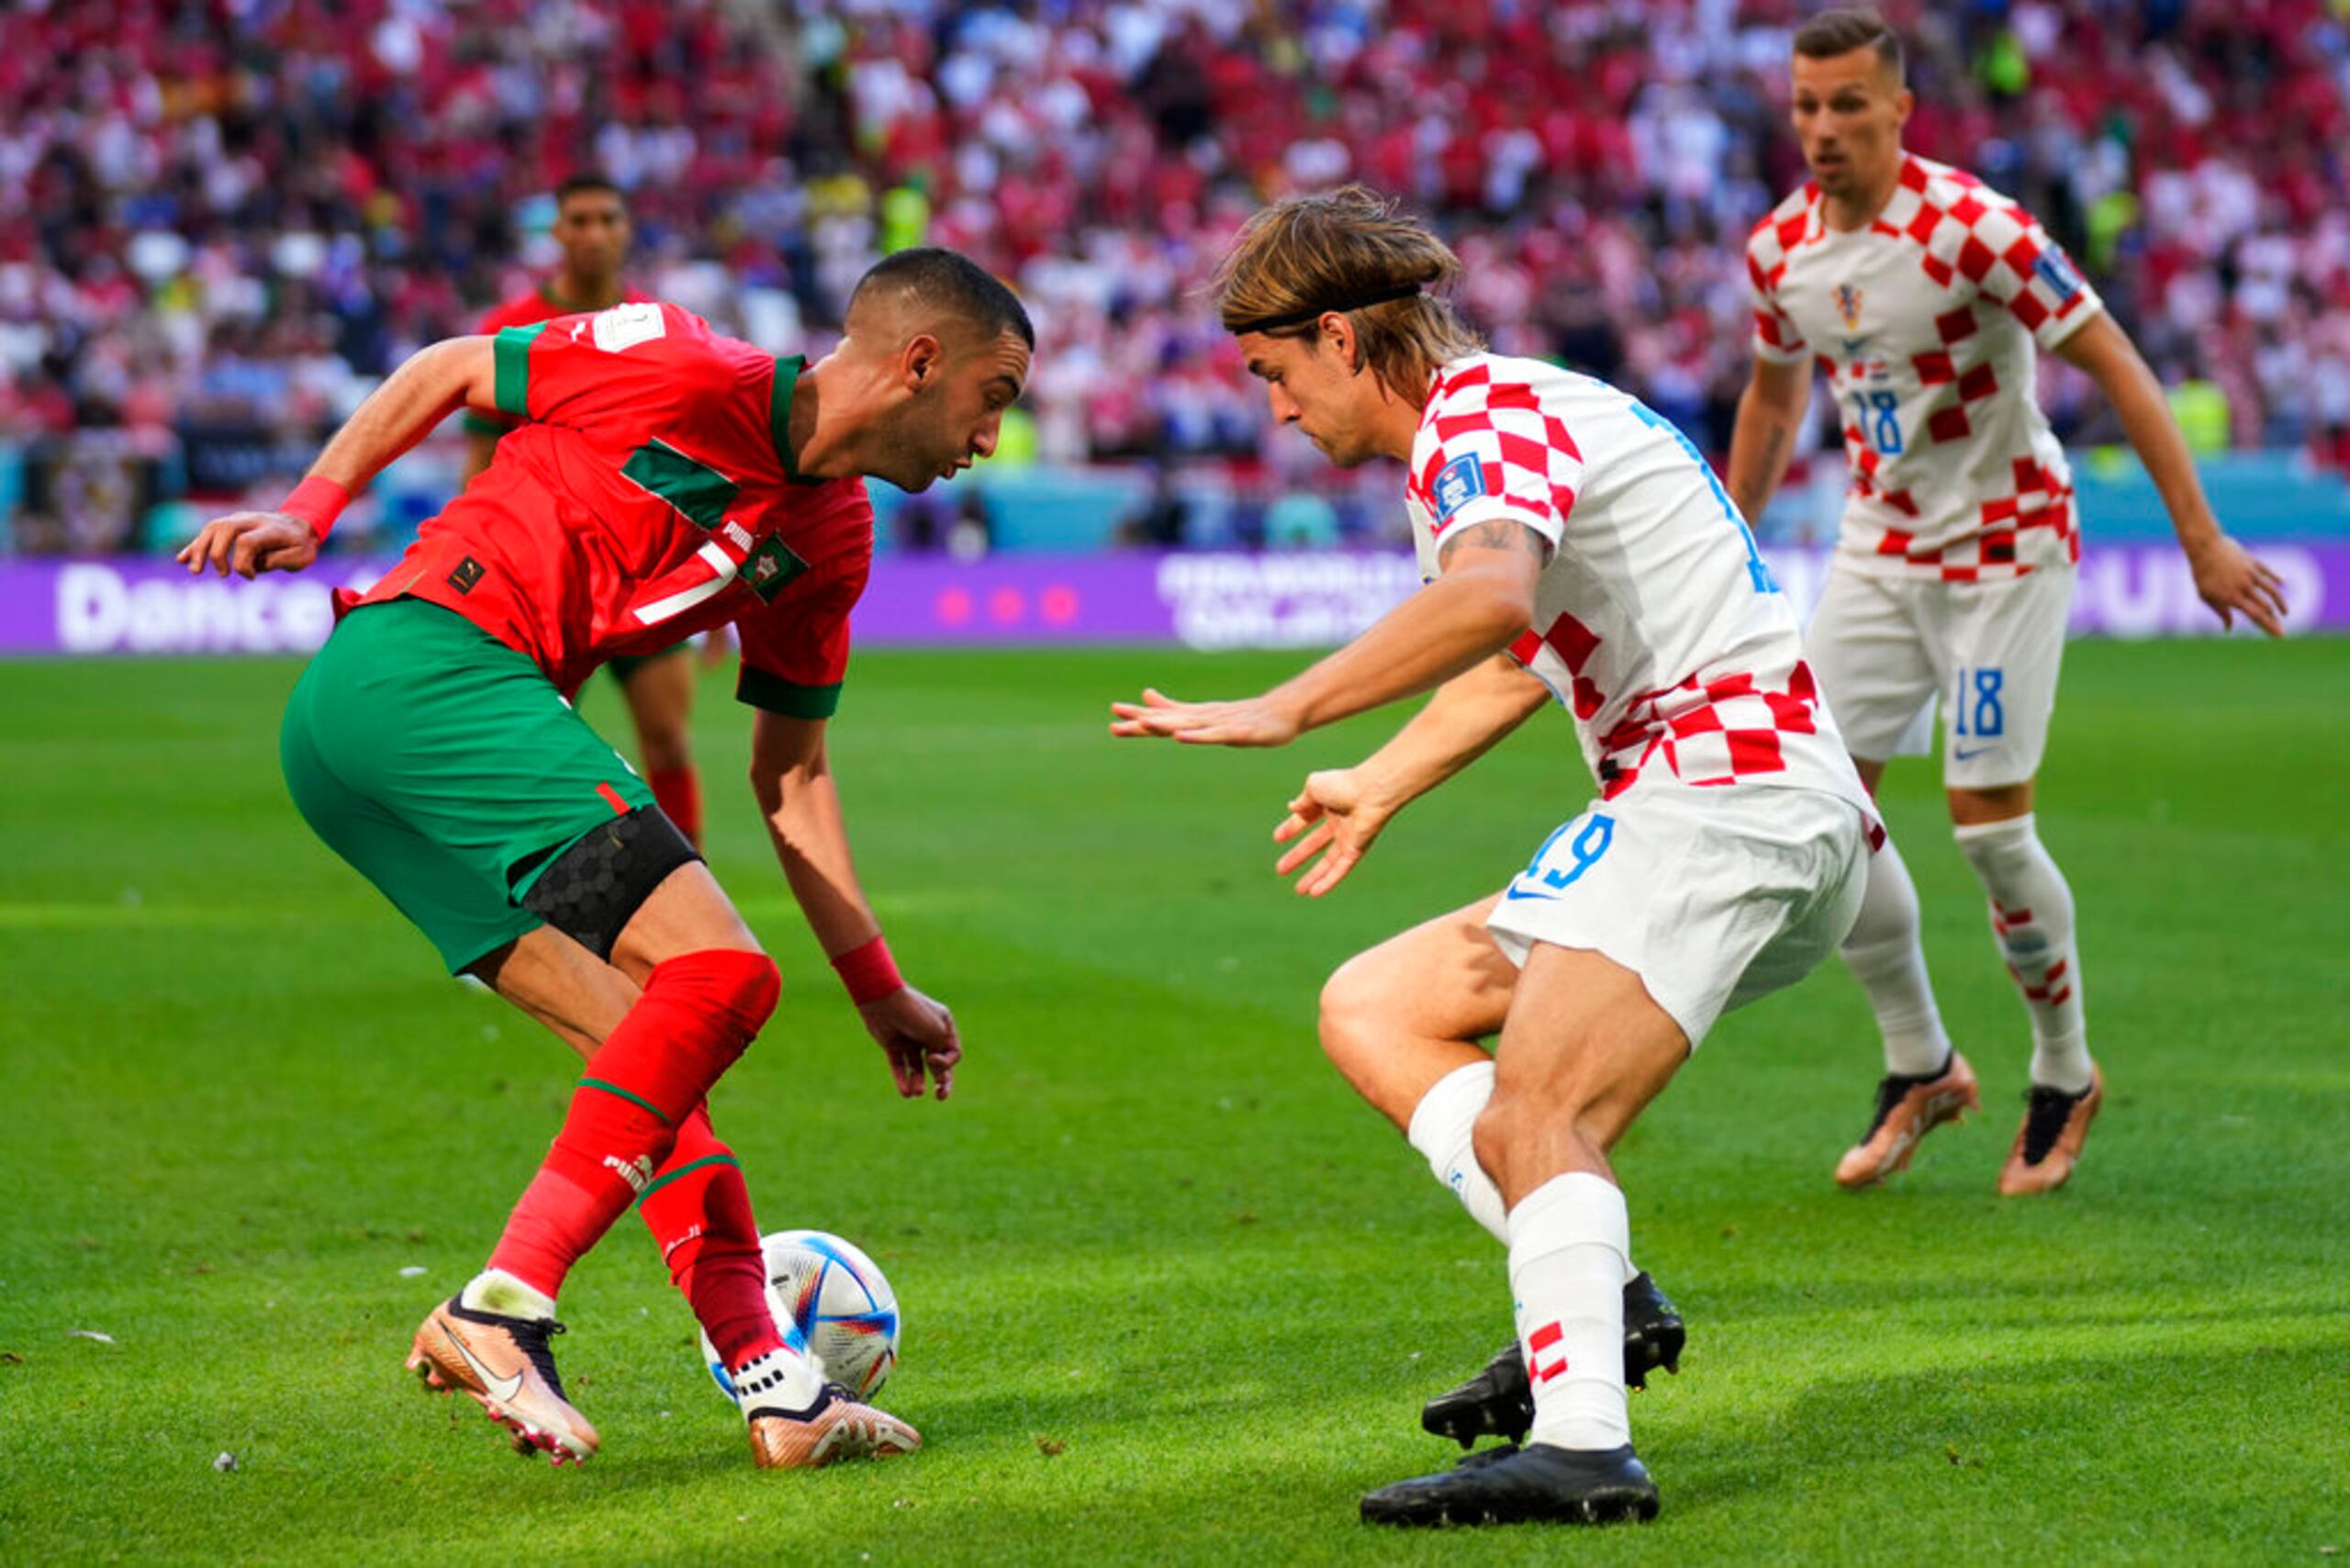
(842, 1303)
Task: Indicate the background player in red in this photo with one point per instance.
(666, 480)
(1922, 295)
(592, 225)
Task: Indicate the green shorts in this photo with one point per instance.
(446, 768)
(624, 668)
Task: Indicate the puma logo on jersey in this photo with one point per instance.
(636, 1173)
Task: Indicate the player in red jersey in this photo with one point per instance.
(665, 481)
(1924, 296)
(592, 225)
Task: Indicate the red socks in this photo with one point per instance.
(677, 790)
(697, 1015)
(699, 1210)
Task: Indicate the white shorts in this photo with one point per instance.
(1886, 648)
(1712, 896)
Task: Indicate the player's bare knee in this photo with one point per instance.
(1972, 806)
(1498, 1134)
(1573, 1129)
(1349, 1009)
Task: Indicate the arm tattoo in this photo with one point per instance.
(1501, 534)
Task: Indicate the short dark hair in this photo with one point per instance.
(1836, 32)
(582, 181)
(940, 279)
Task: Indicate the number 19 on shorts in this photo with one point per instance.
(1975, 705)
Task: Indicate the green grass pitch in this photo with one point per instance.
(1172, 1294)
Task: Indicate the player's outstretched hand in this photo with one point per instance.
(1332, 816)
(918, 1036)
(2230, 580)
(248, 543)
(1252, 720)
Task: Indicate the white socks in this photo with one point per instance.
(1570, 1251)
(1886, 955)
(782, 1380)
(495, 1291)
(1442, 1127)
(2032, 917)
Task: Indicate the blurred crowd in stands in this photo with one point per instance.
(221, 219)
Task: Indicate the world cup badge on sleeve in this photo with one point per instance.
(1458, 483)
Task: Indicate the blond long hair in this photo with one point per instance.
(1349, 252)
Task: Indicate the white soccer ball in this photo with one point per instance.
(842, 1303)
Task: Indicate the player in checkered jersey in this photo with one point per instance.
(1578, 551)
(1923, 295)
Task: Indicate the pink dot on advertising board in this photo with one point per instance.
(955, 606)
(1058, 605)
(1007, 605)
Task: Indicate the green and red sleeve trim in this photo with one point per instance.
(512, 349)
(786, 380)
(789, 698)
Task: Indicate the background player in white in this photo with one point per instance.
(1580, 549)
(1922, 295)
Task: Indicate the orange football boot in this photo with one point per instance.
(507, 1368)
(1907, 1110)
(834, 1427)
(2048, 1145)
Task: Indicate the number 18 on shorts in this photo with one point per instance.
(1888, 650)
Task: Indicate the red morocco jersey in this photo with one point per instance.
(649, 494)
(541, 303)
(1926, 322)
(1657, 624)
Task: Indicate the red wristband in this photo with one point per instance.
(869, 972)
(316, 502)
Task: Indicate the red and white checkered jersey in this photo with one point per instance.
(1657, 624)
(1926, 322)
